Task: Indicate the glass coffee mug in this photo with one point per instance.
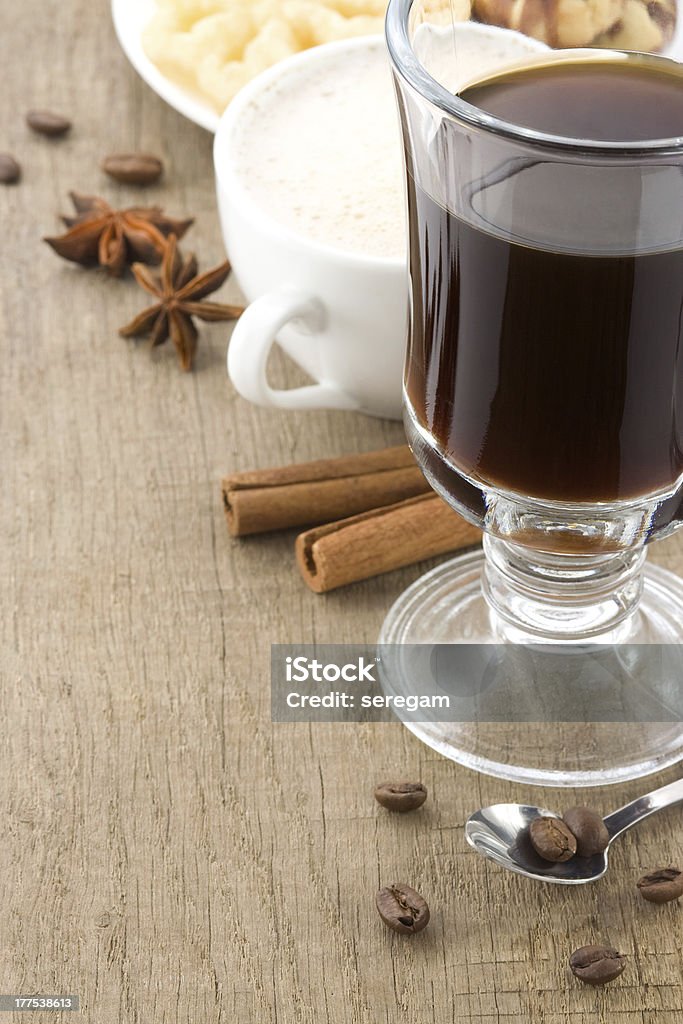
(543, 398)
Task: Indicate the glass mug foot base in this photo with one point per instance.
(641, 674)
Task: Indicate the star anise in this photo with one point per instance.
(99, 234)
(179, 291)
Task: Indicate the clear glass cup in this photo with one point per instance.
(570, 461)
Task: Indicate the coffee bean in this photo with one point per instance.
(661, 886)
(10, 170)
(133, 168)
(47, 123)
(589, 830)
(401, 796)
(552, 839)
(596, 965)
(402, 909)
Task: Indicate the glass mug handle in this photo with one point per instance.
(252, 339)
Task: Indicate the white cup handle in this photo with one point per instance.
(252, 340)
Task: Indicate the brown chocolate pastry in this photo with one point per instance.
(558, 23)
(645, 25)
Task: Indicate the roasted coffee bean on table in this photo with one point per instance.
(402, 908)
(552, 839)
(597, 965)
(589, 830)
(661, 886)
(45, 122)
(133, 168)
(401, 796)
(10, 169)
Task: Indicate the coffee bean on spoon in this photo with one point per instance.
(661, 886)
(589, 830)
(10, 169)
(46, 122)
(133, 168)
(597, 965)
(401, 796)
(552, 839)
(402, 908)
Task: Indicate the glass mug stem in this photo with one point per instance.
(537, 595)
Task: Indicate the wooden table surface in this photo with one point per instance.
(168, 853)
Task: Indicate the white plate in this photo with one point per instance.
(131, 16)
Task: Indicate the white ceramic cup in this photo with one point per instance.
(342, 316)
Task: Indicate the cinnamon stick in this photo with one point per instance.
(316, 492)
(380, 540)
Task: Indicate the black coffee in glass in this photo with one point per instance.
(550, 370)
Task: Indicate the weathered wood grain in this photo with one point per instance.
(167, 853)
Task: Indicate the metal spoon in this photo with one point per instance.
(501, 832)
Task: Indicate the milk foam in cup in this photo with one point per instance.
(319, 151)
(309, 177)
